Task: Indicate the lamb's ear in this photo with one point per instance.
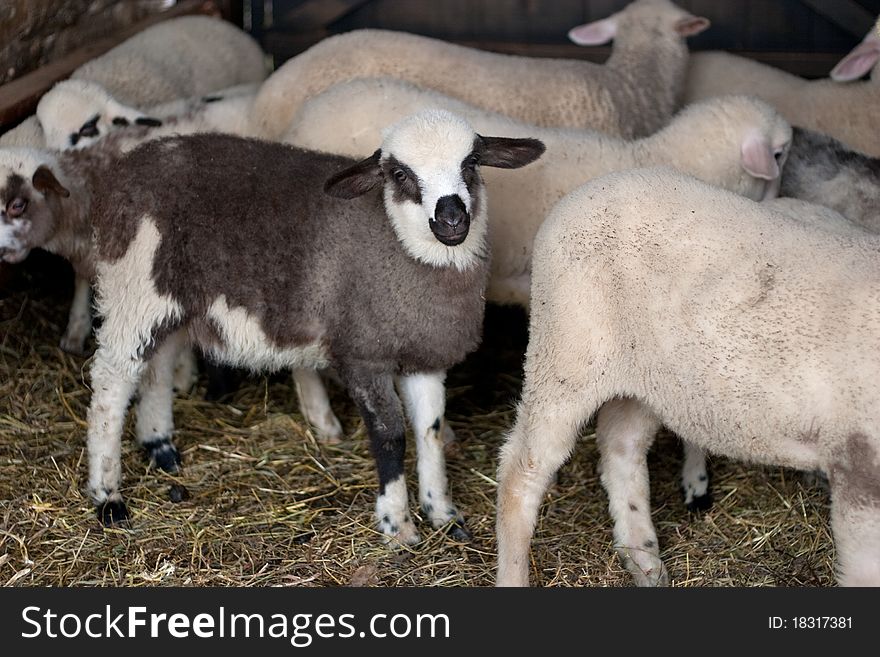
(758, 158)
(45, 181)
(509, 153)
(691, 25)
(595, 33)
(356, 180)
(859, 61)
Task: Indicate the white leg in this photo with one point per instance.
(155, 422)
(625, 430)
(315, 405)
(695, 478)
(113, 384)
(424, 397)
(541, 441)
(185, 369)
(79, 321)
(855, 512)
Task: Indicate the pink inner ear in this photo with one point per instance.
(595, 33)
(757, 158)
(692, 25)
(858, 62)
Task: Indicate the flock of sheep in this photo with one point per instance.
(687, 258)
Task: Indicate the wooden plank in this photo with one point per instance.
(315, 14)
(285, 45)
(19, 98)
(846, 14)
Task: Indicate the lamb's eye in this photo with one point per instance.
(16, 207)
(399, 175)
(778, 154)
(472, 161)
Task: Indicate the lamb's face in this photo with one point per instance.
(76, 114)
(428, 167)
(29, 193)
(432, 188)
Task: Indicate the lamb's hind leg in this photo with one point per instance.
(79, 321)
(155, 424)
(695, 478)
(424, 396)
(855, 513)
(624, 430)
(382, 413)
(315, 405)
(539, 443)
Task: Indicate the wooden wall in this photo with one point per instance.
(789, 33)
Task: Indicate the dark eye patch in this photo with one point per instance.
(211, 99)
(148, 121)
(470, 169)
(90, 127)
(74, 137)
(407, 189)
(120, 120)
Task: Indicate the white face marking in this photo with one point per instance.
(245, 344)
(433, 145)
(12, 248)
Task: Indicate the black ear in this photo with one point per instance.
(509, 153)
(148, 121)
(356, 180)
(45, 181)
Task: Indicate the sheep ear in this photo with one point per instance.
(509, 153)
(691, 25)
(45, 181)
(859, 61)
(595, 33)
(758, 158)
(356, 180)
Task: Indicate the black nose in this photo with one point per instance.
(450, 210)
(451, 222)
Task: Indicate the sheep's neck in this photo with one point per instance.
(654, 66)
(72, 239)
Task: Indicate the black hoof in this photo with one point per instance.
(112, 513)
(700, 503)
(458, 532)
(163, 454)
(178, 493)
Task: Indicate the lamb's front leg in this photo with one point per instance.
(625, 430)
(382, 413)
(424, 396)
(79, 321)
(113, 380)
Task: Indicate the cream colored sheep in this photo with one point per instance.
(633, 94)
(178, 58)
(78, 113)
(732, 142)
(849, 112)
(760, 346)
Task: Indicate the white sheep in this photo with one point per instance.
(633, 94)
(738, 143)
(847, 112)
(178, 58)
(78, 113)
(747, 330)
